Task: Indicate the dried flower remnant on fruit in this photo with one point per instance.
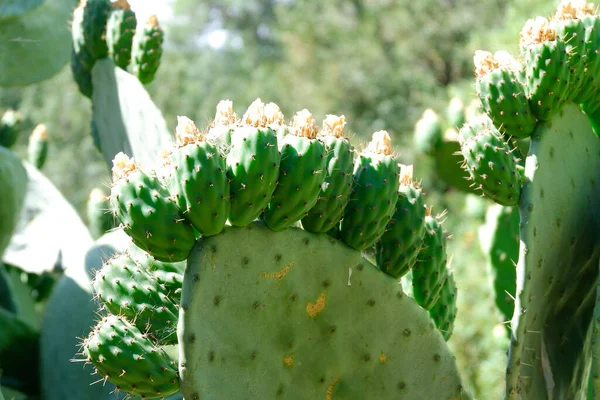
(406, 175)
(334, 125)
(122, 4)
(536, 31)
(187, 132)
(381, 143)
(573, 9)
(40, 132)
(303, 124)
(122, 166)
(152, 21)
(273, 115)
(484, 63)
(225, 115)
(255, 114)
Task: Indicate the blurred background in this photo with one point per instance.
(380, 63)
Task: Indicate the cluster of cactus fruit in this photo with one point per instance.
(103, 29)
(291, 189)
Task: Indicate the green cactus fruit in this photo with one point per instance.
(82, 58)
(128, 289)
(148, 216)
(492, 166)
(94, 19)
(37, 150)
(81, 75)
(168, 275)
(11, 125)
(478, 123)
(127, 358)
(590, 84)
(444, 311)
(455, 113)
(429, 272)
(253, 162)
(147, 50)
(301, 174)
(374, 194)
(120, 30)
(398, 247)
(100, 219)
(310, 314)
(427, 136)
(547, 73)
(13, 181)
(335, 191)
(503, 94)
(197, 179)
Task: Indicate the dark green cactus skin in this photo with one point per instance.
(81, 75)
(429, 272)
(284, 306)
(127, 289)
(557, 272)
(168, 275)
(84, 58)
(199, 185)
(372, 201)
(11, 126)
(492, 167)
(572, 34)
(121, 353)
(335, 191)
(499, 238)
(147, 51)
(301, 174)
(503, 98)
(95, 17)
(399, 246)
(547, 78)
(253, 168)
(120, 30)
(444, 311)
(594, 380)
(153, 221)
(590, 82)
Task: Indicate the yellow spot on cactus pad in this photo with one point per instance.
(187, 132)
(303, 124)
(537, 30)
(279, 275)
(152, 21)
(334, 125)
(122, 4)
(225, 115)
(40, 132)
(314, 309)
(573, 9)
(273, 114)
(289, 360)
(329, 394)
(255, 115)
(381, 143)
(383, 358)
(122, 166)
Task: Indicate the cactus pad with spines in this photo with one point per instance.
(301, 174)
(128, 289)
(95, 16)
(374, 194)
(253, 163)
(399, 246)
(444, 310)
(120, 30)
(143, 207)
(309, 313)
(335, 191)
(198, 180)
(147, 50)
(121, 353)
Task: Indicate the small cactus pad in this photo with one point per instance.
(127, 289)
(120, 30)
(121, 353)
(302, 172)
(198, 180)
(252, 164)
(429, 272)
(398, 247)
(444, 311)
(428, 133)
(100, 219)
(143, 207)
(492, 166)
(37, 150)
(94, 19)
(335, 191)
(308, 313)
(147, 50)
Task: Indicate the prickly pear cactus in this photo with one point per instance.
(13, 181)
(37, 150)
(269, 296)
(147, 50)
(99, 217)
(120, 29)
(11, 125)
